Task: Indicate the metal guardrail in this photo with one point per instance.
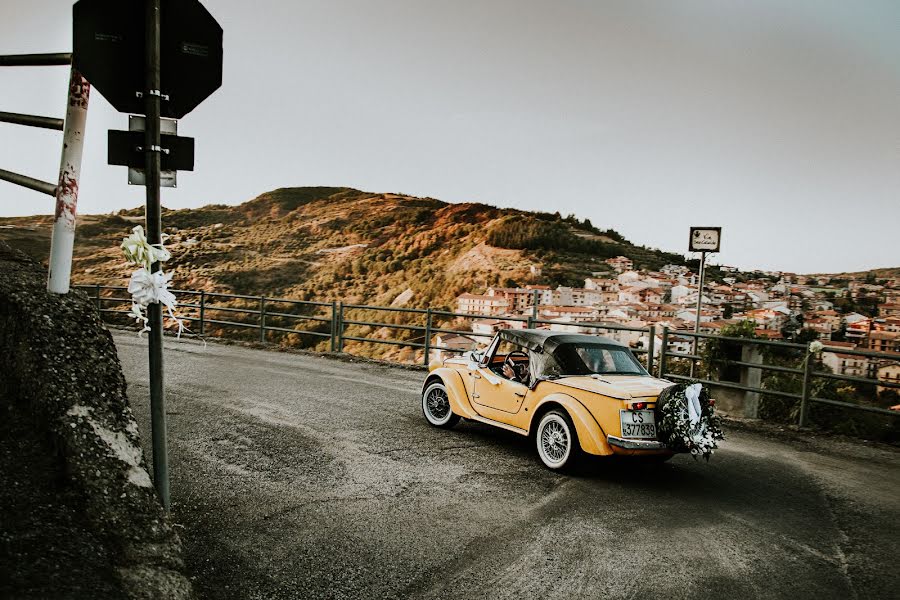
(36, 60)
(64, 187)
(267, 315)
(807, 371)
(32, 60)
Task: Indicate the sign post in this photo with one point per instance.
(702, 240)
(159, 58)
(153, 218)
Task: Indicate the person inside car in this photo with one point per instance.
(515, 371)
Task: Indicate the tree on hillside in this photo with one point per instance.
(806, 335)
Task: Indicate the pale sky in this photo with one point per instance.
(778, 121)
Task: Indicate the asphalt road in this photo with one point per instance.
(308, 477)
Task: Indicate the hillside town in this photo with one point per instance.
(782, 306)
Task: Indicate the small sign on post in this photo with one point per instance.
(126, 148)
(705, 239)
(702, 240)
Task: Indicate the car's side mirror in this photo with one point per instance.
(474, 357)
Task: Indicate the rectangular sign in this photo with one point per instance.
(126, 148)
(167, 177)
(705, 239)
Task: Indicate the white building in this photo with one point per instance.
(477, 304)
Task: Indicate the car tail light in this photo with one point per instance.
(639, 406)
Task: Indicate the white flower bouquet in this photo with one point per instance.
(145, 286)
(687, 420)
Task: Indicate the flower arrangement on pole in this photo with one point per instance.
(145, 286)
(687, 420)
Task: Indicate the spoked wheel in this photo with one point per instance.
(436, 406)
(557, 442)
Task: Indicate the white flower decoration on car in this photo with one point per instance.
(688, 420)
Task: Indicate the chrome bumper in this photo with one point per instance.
(635, 444)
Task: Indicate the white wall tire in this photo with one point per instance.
(557, 441)
(436, 406)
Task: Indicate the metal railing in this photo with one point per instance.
(807, 371)
(331, 322)
(65, 187)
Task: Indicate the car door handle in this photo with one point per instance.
(520, 395)
(475, 375)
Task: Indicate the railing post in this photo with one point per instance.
(62, 238)
(99, 302)
(752, 378)
(804, 394)
(340, 327)
(663, 348)
(651, 343)
(534, 309)
(262, 319)
(333, 325)
(202, 310)
(427, 337)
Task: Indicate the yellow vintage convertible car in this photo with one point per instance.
(573, 394)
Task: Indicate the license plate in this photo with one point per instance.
(638, 424)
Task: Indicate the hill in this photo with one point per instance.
(329, 243)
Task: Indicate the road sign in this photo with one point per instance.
(109, 49)
(126, 148)
(705, 239)
(702, 240)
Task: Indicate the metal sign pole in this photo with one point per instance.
(699, 307)
(152, 152)
(62, 240)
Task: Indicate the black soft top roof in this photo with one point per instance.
(541, 340)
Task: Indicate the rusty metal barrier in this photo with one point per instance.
(65, 190)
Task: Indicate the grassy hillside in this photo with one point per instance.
(339, 243)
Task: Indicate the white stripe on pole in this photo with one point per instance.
(63, 239)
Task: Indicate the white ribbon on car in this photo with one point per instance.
(692, 395)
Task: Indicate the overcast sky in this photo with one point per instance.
(779, 121)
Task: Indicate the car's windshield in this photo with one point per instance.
(602, 359)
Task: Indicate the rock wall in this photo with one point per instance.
(58, 361)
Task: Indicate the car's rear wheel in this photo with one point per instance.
(436, 406)
(557, 441)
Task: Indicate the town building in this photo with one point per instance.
(889, 309)
(478, 304)
(884, 341)
(889, 372)
(842, 363)
(620, 263)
